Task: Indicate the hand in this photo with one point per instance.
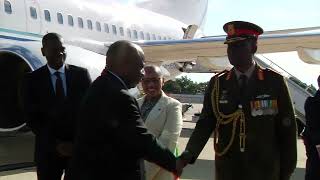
(65, 149)
(185, 158)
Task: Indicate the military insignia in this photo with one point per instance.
(231, 30)
(264, 107)
(262, 96)
(223, 97)
(260, 74)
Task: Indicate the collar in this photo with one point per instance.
(122, 82)
(248, 73)
(60, 70)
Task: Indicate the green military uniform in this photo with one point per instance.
(255, 132)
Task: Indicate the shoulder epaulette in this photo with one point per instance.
(260, 74)
(222, 73)
(272, 71)
(218, 75)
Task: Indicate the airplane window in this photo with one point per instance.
(165, 38)
(80, 22)
(47, 16)
(154, 37)
(98, 26)
(121, 31)
(70, 20)
(114, 29)
(106, 28)
(159, 37)
(33, 13)
(89, 24)
(60, 18)
(135, 34)
(129, 33)
(141, 35)
(148, 36)
(7, 7)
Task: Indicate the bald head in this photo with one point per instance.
(118, 51)
(126, 59)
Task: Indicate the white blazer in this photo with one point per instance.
(165, 122)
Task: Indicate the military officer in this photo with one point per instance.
(249, 112)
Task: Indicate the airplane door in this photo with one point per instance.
(33, 16)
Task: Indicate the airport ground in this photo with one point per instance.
(203, 169)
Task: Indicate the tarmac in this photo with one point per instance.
(20, 148)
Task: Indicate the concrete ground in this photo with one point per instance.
(203, 169)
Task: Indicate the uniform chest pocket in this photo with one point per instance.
(226, 105)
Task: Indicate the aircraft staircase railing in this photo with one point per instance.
(298, 90)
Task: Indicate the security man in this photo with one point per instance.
(249, 112)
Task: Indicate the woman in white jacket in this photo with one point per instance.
(162, 116)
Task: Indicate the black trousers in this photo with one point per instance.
(52, 167)
(313, 167)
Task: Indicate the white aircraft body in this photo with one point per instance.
(89, 28)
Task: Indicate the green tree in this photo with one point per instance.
(187, 85)
(171, 87)
(184, 85)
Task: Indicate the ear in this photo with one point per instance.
(254, 49)
(254, 46)
(42, 51)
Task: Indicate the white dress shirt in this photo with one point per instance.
(61, 70)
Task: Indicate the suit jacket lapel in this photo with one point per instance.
(46, 78)
(157, 109)
(252, 84)
(232, 87)
(68, 79)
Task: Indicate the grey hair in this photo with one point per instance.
(155, 69)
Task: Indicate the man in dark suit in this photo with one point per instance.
(112, 139)
(249, 111)
(51, 100)
(311, 136)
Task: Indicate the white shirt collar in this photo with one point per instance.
(248, 73)
(60, 70)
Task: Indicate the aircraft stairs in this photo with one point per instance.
(298, 91)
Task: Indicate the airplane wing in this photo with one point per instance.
(211, 52)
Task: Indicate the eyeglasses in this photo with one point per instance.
(151, 80)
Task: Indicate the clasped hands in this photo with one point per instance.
(182, 161)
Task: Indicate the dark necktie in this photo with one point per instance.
(59, 87)
(243, 83)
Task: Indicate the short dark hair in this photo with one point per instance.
(50, 36)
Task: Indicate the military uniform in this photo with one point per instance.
(254, 130)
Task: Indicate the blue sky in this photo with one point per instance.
(270, 15)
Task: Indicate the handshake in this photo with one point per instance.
(182, 161)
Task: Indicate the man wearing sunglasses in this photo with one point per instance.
(249, 112)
